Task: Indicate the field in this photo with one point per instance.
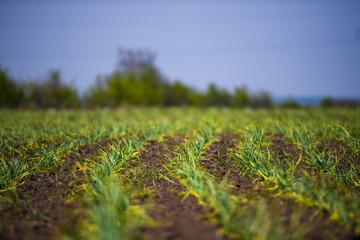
(172, 173)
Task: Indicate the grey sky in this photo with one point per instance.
(299, 48)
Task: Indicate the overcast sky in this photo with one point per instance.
(298, 48)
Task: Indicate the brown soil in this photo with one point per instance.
(344, 155)
(315, 222)
(177, 218)
(218, 162)
(284, 150)
(319, 225)
(42, 209)
(41, 200)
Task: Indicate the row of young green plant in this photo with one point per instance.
(110, 211)
(24, 127)
(335, 195)
(244, 216)
(328, 189)
(235, 213)
(36, 140)
(106, 170)
(113, 216)
(32, 143)
(16, 163)
(109, 208)
(55, 134)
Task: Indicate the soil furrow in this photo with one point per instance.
(344, 154)
(178, 219)
(41, 210)
(317, 220)
(218, 162)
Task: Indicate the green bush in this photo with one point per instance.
(51, 93)
(290, 103)
(241, 97)
(261, 100)
(10, 92)
(326, 102)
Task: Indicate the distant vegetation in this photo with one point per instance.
(136, 81)
(50, 93)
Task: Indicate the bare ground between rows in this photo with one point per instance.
(219, 162)
(345, 156)
(41, 210)
(332, 147)
(178, 219)
(320, 227)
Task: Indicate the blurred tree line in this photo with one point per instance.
(146, 88)
(136, 81)
(49, 93)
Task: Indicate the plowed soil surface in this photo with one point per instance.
(42, 209)
(178, 218)
(317, 221)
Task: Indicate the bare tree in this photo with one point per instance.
(135, 60)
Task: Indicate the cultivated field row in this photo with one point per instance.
(180, 174)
